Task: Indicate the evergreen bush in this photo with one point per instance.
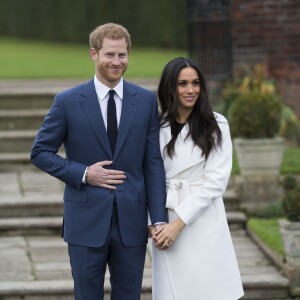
(255, 114)
(291, 198)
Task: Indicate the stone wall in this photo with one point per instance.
(268, 32)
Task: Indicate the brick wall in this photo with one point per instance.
(268, 32)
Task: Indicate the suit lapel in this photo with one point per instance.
(129, 105)
(91, 107)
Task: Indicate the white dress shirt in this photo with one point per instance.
(103, 95)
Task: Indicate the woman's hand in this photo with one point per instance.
(168, 234)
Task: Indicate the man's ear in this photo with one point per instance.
(93, 54)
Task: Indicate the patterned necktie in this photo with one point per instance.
(112, 125)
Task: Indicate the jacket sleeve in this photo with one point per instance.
(154, 172)
(47, 143)
(216, 175)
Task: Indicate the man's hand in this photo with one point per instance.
(106, 178)
(155, 229)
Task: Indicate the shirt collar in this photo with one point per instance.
(102, 90)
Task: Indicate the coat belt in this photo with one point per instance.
(174, 186)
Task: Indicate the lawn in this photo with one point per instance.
(268, 231)
(36, 59)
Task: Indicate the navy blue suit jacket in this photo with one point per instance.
(75, 120)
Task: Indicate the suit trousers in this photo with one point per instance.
(125, 264)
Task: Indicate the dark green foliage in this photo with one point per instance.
(272, 210)
(291, 198)
(257, 118)
(289, 183)
(229, 94)
(255, 115)
(290, 126)
(150, 22)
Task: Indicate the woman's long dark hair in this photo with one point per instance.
(203, 127)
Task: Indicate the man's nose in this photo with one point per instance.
(116, 60)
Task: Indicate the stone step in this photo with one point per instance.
(43, 204)
(16, 145)
(21, 119)
(39, 94)
(49, 224)
(47, 257)
(12, 207)
(63, 290)
(236, 220)
(26, 100)
(31, 225)
(13, 161)
(261, 287)
(57, 289)
(16, 141)
(231, 200)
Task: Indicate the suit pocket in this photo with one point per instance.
(73, 195)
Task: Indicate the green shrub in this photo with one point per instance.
(255, 114)
(271, 210)
(291, 198)
(290, 126)
(257, 80)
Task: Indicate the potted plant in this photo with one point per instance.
(290, 230)
(255, 119)
(290, 227)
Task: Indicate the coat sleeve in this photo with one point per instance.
(47, 142)
(216, 173)
(155, 183)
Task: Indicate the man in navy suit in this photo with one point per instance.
(109, 187)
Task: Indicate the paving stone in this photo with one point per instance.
(14, 263)
(49, 255)
(9, 185)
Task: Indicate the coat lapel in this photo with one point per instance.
(186, 154)
(91, 107)
(129, 105)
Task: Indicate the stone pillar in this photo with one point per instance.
(290, 232)
(257, 191)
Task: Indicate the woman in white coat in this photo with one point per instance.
(193, 256)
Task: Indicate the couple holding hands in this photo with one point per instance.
(171, 169)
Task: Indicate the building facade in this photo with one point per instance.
(227, 36)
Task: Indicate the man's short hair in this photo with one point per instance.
(111, 31)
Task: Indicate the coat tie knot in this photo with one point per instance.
(174, 186)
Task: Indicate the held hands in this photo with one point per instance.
(106, 178)
(164, 235)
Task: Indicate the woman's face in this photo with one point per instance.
(188, 88)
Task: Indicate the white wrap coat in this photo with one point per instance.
(201, 263)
